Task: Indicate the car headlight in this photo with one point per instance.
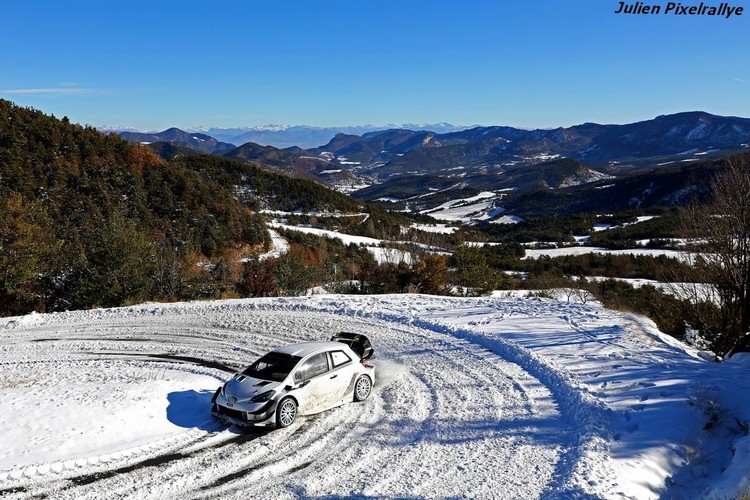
(262, 397)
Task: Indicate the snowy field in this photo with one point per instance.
(467, 210)
(532, 253)
(502, 397)
(381, 254)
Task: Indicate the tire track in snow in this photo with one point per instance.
(477, 356)
(500, 402)
(405, 442)
(585, 457)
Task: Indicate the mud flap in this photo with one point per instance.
(357, 342)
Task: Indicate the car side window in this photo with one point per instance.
(313, 367)
(339, 358)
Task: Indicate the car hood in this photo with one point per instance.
(243, 387)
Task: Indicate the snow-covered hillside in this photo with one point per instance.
(501, 397)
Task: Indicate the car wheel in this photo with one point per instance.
(286, 412)
(362, 388)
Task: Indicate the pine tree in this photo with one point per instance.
(26, 246)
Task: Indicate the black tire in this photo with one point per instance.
(286, 412)
(362, 388)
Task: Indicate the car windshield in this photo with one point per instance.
(272, 366)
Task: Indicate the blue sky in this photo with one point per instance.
(526, 63)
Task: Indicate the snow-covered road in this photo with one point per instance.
(478, 398)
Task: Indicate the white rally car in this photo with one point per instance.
(297, 379)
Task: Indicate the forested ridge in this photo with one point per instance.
(88, 219)
(261, 189)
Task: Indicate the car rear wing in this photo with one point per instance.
(357, 342)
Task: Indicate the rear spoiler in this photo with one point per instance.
(357, 342)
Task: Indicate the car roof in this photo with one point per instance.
(305, 348)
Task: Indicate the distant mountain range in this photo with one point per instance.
(486, 149)
(285, 136)
(307, 137)
(403, 163)
(662, 138)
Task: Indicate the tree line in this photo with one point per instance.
(87, 219)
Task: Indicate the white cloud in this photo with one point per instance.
(54, 91)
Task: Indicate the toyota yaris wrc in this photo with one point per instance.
(297, 379)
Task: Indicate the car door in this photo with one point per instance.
(313, 379)
(341, 375)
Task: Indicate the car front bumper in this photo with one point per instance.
(243, 413)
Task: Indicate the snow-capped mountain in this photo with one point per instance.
(304, 136)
